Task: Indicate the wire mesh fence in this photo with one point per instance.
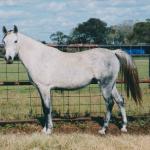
(20, 100)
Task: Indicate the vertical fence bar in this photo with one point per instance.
(63, 102)
(79, 102)
(18, 69)
(149, 67)
(68, 104)
(30, 97)
(7, 80)
(90, 99)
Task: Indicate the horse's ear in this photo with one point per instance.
(4, 30)
(15, 29)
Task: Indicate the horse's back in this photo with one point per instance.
(99, 61)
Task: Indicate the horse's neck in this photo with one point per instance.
(28, 44)
(24, 41)
(30, 50)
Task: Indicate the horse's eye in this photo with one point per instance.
(15, 41)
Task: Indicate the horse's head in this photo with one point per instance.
(10, 41)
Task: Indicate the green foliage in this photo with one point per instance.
(96, 31)
(141, 33)
(118, 34)
(59, 38)
(91, 31)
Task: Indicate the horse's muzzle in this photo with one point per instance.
(9, 60)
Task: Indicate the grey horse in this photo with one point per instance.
(50, 68)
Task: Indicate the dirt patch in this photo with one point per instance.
(134, 127)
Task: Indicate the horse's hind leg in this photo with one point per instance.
(120, 101)
(106, 91)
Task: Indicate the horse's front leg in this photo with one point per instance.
(47, 109)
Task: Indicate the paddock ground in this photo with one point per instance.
(76, 136)
(74, 141)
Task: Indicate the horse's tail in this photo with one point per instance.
(130, 75)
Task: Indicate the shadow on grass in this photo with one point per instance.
(99, 120)
(140, 121)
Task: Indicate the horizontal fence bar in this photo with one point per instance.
(89, 45)
(4, 122)
(133, 55)
(11, 83)
(7, 83)
(31, 121)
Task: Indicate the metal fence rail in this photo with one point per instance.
(20, 100)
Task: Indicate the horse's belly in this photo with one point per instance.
(72, 79)
(71, 85)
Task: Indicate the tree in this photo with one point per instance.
(91, 31)
(111, 36)
(118, 34)
(59, 38)
(141, 32)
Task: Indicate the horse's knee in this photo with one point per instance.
(109, 104)
(47, 110)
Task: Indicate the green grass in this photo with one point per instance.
(23, 102)
(12, 72)
(143, 67)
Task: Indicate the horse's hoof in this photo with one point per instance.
(101, 132)
(44, 130)
(47, 131)
(124, 130)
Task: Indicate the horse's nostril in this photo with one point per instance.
(9, 58)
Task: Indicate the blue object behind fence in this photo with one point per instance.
(135, 51)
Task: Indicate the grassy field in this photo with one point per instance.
(74, 141)
(22, 102)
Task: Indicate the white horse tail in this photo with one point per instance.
(130, 75)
